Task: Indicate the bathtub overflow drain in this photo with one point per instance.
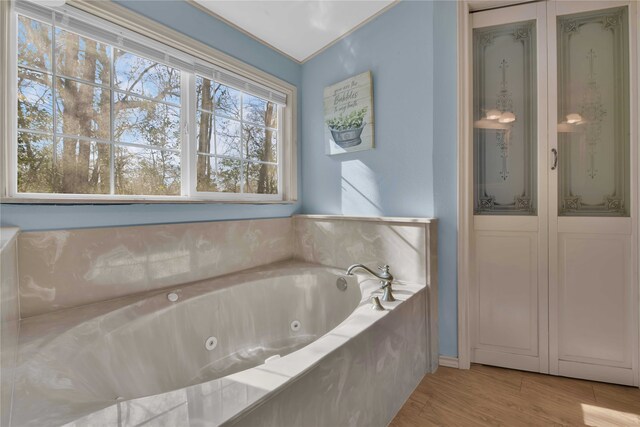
(341, 283)
(172, 296)
(295, 325)
(211, 343)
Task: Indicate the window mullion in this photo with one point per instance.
(193, 138)
(281, 149)
(112, 121)
(242, 164)
(10, 148)
(187, 132)
(214, 121)
(54, 108)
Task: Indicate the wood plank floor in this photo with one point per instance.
(488, 396)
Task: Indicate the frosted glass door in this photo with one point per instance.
(504, 103)
(593, 282)
(508, 292)
(553, 261)
(593, 113)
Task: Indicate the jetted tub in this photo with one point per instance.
(220, 343)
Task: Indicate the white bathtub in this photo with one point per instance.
(144, 359)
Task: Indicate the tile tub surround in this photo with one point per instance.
(408, 245)
(9, 315)
(340, 241)
(382, 352)
(68, 268)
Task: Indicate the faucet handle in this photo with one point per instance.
(384, 273)
(383, 268)
(375, 304)
(387, 294)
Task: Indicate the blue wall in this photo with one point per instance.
(191, 21)
(444, 169)
(412, 170)
(396, 178)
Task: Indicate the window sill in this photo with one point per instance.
(137, 201)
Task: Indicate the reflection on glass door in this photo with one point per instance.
(504, 105)
(593, 113)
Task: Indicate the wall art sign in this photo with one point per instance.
(348, 115)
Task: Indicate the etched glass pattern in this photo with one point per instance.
(593, 113)
(504, 128)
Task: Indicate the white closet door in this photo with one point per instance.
(508, 292)
(593, 281)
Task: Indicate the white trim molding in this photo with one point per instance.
(448, 362)
(637, 192)
(465, 185)
(6, 82)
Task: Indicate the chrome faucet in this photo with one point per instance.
(385, 279)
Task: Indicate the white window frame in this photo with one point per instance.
(193, 110)
(158, 34)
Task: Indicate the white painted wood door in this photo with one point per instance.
(508, 296)
(555, 285)
(593, 208)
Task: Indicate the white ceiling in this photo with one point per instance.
(298, 28)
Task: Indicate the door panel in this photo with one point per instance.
(508, 297)
(593, 318)
(509, 290)
(596, 316)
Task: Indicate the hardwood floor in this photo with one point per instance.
(488, 396)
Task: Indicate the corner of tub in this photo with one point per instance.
(7, 236)
(10, 316)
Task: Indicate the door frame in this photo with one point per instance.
(465, 166)
(465, 182)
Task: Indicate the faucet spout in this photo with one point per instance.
(383, 275)
(385, 278)
(362, 266)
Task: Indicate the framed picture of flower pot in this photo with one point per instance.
(348, 115)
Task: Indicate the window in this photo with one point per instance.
(104, 113)
(237, 140)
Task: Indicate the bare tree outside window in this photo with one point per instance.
(237, 140)
(68, 126)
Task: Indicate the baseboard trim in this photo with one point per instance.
(448, 361)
